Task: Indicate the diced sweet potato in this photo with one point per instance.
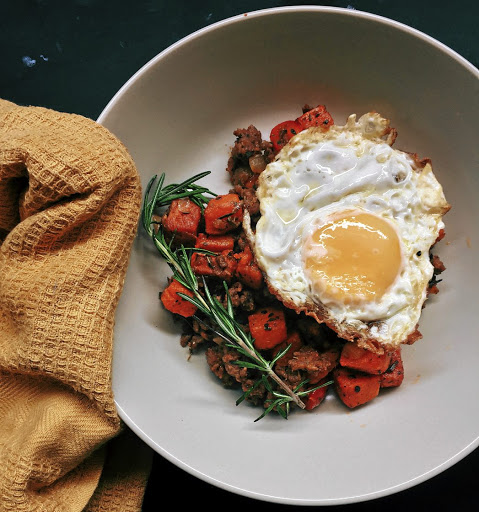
(364, 360)
(223, 214)
(282, 133)
(267, 327)
(176, 304)
(181, 222)
(317, 116)
(355, 388)
(215, 243)
(222, 266)
(316, 397)
(248, 271)
(394, 375)
(293, 339)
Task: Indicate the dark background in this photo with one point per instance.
(73, 55)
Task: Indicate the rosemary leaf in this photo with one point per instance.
(194, 301)
(266, 411)
(247, 364)
(280, 354)
(267, 385)
(283, 412)
(307, 391)
(248, 392)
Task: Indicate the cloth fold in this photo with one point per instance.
(70, 198)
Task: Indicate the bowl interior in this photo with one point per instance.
(177, 116)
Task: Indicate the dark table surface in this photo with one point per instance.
(73, 55)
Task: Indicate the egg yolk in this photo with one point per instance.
(354, 258)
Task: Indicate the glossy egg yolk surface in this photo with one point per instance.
(353, 258)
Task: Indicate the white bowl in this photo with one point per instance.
(177, 115)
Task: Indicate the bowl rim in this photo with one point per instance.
(278, 10)
(109, 107)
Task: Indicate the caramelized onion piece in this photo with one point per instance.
(257, 163)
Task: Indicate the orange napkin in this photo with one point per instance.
(69, 204)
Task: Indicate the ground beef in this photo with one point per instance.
(290, 377)
(240, 176)
(242, 297)
(250, 201)
(248, 142)
(217, 366)
(317, 365)
(190, 340)
(241, 241)
(198, 332)
(414, 336)
(221, 362)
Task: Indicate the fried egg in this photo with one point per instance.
(346, 226)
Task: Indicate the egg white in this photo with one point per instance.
(349, 168)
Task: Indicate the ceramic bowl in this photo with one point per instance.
(177, 115)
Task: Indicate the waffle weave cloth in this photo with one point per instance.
(70, 198)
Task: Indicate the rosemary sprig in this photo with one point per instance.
(226, 326)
